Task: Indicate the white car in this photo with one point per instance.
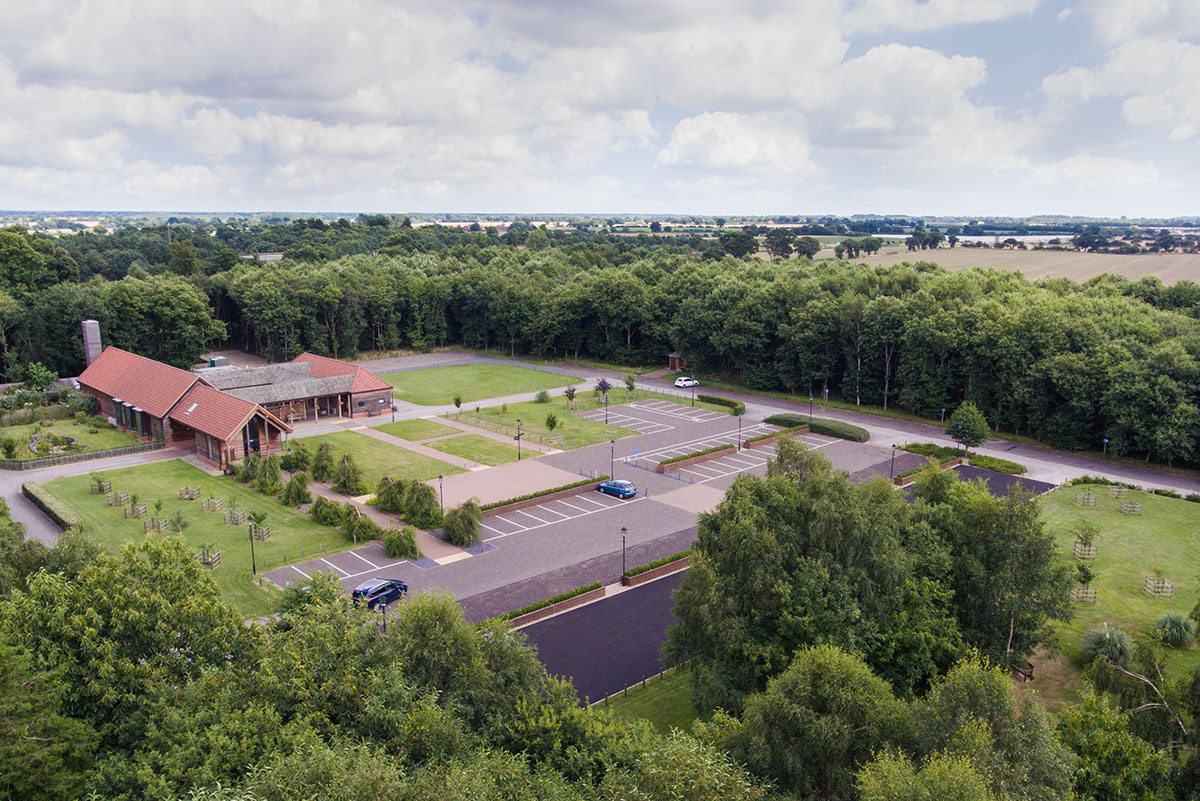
(684, 383)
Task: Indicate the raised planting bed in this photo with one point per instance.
(767, 439)
(655, 570)
(552, 606)
(904, 481)
(695, 458)
(535, 498)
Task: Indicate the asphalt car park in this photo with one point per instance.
(742, 461)
(369, 560)
(551, 513)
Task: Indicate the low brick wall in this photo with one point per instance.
(904, 482)
(758, 443)
(567, 493)
(703, 457)
(656, 573)
(554, 609)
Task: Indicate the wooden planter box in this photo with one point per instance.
(703, 457)
(656, 573)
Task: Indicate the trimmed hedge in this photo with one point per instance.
(550, 491)
(775, 433)
(666, 560)
(714, 449)
(562, 596)
(787, 420)
(62, 515)
(920, 469)
(943, 453)
(836, 428)
(998, 465)
(735, 407)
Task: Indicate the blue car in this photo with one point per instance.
(374, 592)
(618, 488)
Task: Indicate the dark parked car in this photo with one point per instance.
(374, 592)
(617, 487)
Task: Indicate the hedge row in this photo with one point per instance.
(657, 563)
(1166, 493)
(734, 407)
(836, 428)
(713, 449)
(777, 433)
(998, 465)
(943, 453)
(787, 420)
(562, 596)
(550, 491)
(52, 507)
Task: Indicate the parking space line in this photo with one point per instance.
(301, 572)
(573, 506)
(511, 523)
(489, 528)
(335, 567)
(546, 507)
(368, 561)
(555, 522)
(592, 500)
(521, 512)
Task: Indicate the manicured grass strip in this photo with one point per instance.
(293, 533)
(415, 430)
(484, 450)
(437, 386)
(542, 604)
(783, 433)
(378, 459)
(999, 465)
(576, 431)
(836, 428)
(665, 702)
(58, 512)
(550, 491)
(944, 453)
(704, 452)
(1160, 541)
(666, 560)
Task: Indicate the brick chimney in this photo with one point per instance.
(91, 340)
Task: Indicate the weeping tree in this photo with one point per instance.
(347, 479)
(462, 525)
(322, 463)
(296, 492)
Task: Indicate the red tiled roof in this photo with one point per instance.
(324, 367)
(217, 414)
(151, 386)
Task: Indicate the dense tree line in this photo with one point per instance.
(1069, 364)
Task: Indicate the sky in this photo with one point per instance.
(759, 107)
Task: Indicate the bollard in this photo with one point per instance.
(301, 551)
(321, 547)
(243, 610)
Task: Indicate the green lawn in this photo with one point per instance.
(484, 450)
(577, 432)
(438, 385)
(377, 459)
(665, 702)
(291, 530)
(104, 439)
(416, 430)
(1161, 541)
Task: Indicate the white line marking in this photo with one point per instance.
(546, 508)
(520, 512)
(489, 528)
(556, 522)
(368, 561)
(573, 506)
(511, 523)
(335, 567)
(301, 572)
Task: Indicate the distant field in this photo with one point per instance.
(1170, 267)
(437, 386)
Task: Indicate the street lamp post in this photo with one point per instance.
(518, 439)
(943, 414)
(624, 531)
(605, 408)
(693, 395)
(892, 470)
(442, 491)
(810, 403)
(250, 532)
(739, 432)
(612, 458)
(1105, 446)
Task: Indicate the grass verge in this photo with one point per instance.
(576, 431)
(105, 439)
(484, 450)
(291, 530)
(437, 386)
(666, 703)
(378, 459)
(416, 430)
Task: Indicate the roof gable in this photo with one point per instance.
(217, 414)
(151, 386)
(324, 367)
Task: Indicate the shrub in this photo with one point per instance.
(421, 506)
(1176, 630)
(1113, 644)
(457, 400)
(389, 496)
(666, 560)
(401, 543)
(551, 421)
(327, 512)
(347, 479)
(461, 525)
(358, 526)
(542, 397)
(542, 493)
(704, 452)
(785, 432)
(569, 394)
(630, 382)
(269, 481)
(562, 596)
(298, 458)
(998, 465)
(787, 420)
(10, 446)
(247, 471)
(943, 453)
(735, 407)
(836, 428)
(322, 463)
(296, 492)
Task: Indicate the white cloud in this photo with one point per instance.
(875, 16)
(727, 141)
(1088, 173)
(1126, 20)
